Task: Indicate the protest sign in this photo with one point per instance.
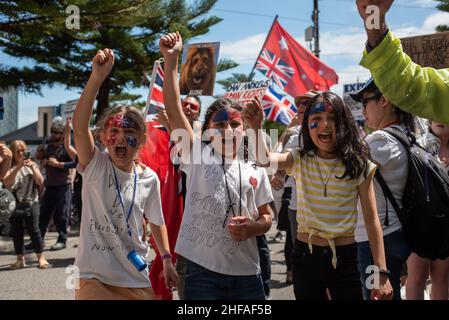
(69, 109)
(243, 92)
(199, 67)
(355, 107)
(430, 50)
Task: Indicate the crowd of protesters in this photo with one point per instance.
(326, 194)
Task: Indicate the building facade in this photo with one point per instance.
(10, 121)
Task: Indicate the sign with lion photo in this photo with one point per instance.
(199, 67)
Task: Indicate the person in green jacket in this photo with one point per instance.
(417, 90)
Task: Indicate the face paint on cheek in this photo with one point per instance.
(110, 141)
(132, 141)
(313, 125)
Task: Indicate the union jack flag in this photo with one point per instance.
(274, 68)
(155, 100)
(277, 107)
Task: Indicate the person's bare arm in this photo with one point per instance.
(10, 176)
(253, 117)
(71, 151)
(171, 46)
(102, 65)
(5, 160)
(161, 238)
(243, 228)
(374, 230)
(37, 175)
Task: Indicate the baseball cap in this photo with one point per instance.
(369, 86)
(308, 95)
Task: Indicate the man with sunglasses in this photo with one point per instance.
(57, 199)
(420, 91)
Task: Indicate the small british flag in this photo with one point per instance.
(277, 107)
(155, 101)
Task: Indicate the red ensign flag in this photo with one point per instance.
(292, 67)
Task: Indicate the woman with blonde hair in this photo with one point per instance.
(23, 180)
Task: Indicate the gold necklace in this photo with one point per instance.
(328, 177)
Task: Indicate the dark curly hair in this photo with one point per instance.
(352, 151)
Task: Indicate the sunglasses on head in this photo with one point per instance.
(55, 132)
(193, 106)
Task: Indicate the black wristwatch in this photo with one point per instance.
(385, 272)
(381, 38)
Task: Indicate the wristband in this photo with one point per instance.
(385, 272)
(166, 256)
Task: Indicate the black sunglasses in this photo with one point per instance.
(366, 100)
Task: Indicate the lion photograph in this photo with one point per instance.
(198, 71)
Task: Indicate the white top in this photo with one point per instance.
(24, 186)
(292, 143)
(104, 241)
(204, 237)
(392, 159)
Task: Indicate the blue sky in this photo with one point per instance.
(246, 23)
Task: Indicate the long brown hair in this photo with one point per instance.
(14, 146)
(349, 148)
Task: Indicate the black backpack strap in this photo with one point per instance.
(401, 136)
(386, 190)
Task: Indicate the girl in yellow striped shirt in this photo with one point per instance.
(332, 172)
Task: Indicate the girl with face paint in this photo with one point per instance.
(227, 199)
(332, 171)
(118, 195)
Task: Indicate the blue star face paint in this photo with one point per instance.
(314, 125)
(321, 107)
(220, 116)
(131, 141)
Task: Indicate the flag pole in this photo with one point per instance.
(153, 78)
(265, 42)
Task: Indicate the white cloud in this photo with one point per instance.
(421, 3)
(245, 50)
(351, 74)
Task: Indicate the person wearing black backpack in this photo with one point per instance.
(391, 159)
(419, 269)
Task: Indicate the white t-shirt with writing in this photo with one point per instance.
(104, 240)
(392, 157)
(204, 237)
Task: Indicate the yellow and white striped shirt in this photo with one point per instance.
(331, 215)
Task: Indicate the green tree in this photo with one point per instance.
(236, 77)
(443, 6)
(37, 31)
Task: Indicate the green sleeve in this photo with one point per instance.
(420, 91)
